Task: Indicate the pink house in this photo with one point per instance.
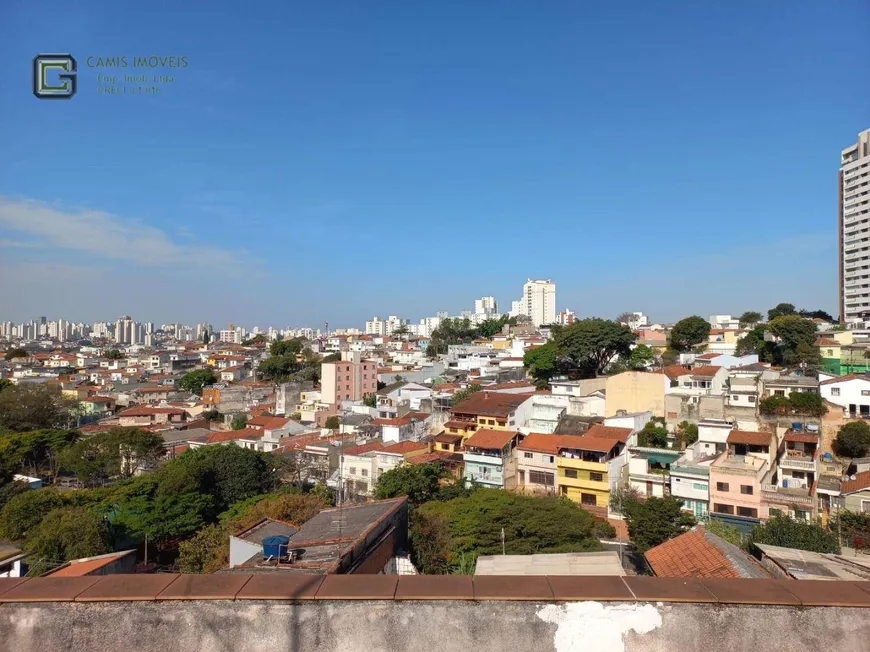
(347, 381)
(737, 477)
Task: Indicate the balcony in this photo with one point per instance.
(690, 470)
(792, 496)
(649, 477)
(583, 483)
(478, 458)
(581, 465)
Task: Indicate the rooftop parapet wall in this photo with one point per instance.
(268, 611)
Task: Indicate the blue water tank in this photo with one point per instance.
(276, 546)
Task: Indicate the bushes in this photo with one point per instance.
(789, 533)
(807, 404)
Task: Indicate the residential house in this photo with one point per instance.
(690, 479)
(736, 479)
(584, 469)
(492, 410)
(536, 463)
(411, 427)
(147, 416)
(649, 470)
(96, 407)
(121, 563)
(490, 459)
(856, 493)
(150, 393)
(700, 553)
(713, 359)
(697, 381)
(361, 466)
(851, 392)
(233, 374)
(723, 340)
(786, 385)
(546, 410)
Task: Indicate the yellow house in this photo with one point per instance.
(637, 391)
(723, 336)
(582, 469)
(501, 343)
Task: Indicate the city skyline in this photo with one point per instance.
(615, 145)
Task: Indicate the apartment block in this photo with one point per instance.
(854, 230)
(347, 380)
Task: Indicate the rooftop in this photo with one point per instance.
(87, 565)
(609, 432)
(571, 563)
(699, 553)
(490, 439)
(749, 438)
(499, 404)
(806, 565)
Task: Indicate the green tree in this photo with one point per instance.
(194, 381)
(781, 310)
(670, 357)
(211, 415)
(604, 530)
(11, 354)
(853, 527)
(688, 432)
(853, 439)
(401, 330)
(655, 520)
(591, 344)
(324, 492)
(641, 357)
(542, 363)
(751, 342)
(370, 399)
(116, 453)
(419, 482)
(206, 552)
(689, 333)
(490, 327)
(807, 404)
(793, 331)
(69, 533)
(806, 356)
(749, 319)
(32, 407)
(333, 423)
(239, 421)
(34, 452)
(653, 435)
(461, 394)
(332, 357)
(259, 338)
(113, 354)
(770, 405)
(24, 512)
(789, 533)
(278, 368)
(160, 518)
(817, 314)
(725, 531)
(4, 383)
(206, 337)
(291, 347)
(444, 533)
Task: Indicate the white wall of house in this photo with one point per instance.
(848, 392)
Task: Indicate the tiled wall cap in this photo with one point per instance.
(279, 586)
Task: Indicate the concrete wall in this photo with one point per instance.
(636, 391)
(397, 626)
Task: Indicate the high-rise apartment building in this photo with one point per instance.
(538, 302)
(126, 331)
(485, 306)
(854, 222)
(348, 380)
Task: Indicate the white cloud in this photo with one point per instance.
(104, 235)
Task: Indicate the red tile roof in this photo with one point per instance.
(749, 437)
(691, 555)
(86, 566)
(491, 439)
(609, 432)
(143, 411)
(708, 370)
(485, 403)
(232, 435)
(708, 356)
(842, 379)
(459, 424)
(596, 444)
(674, 371)
(861, 481)
(802, 437)
(543, 443)
(268, 422)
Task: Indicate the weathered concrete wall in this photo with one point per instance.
(395, 626)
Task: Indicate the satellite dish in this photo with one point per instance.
(852, 477)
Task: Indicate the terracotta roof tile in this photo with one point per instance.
(609, 432)
(694, 554)
(492, 439)
(861, 481)
(750, 438)
(708, 370)
(491, 403)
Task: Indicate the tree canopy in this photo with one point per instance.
(117, 453)
(781, 310)
(591, 344)
(689, 333)
(443, 533)
(113, 354)
(194, 381)
(32, 407)
(653, 435)
(853, 439)
(790, 533)
(461, 394)
(67, 533)
(419, 482)
(749, 319)
(654, 520)
(16, 352)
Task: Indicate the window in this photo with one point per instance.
(752, 399)
(353, 470)
(721, 486)
(549, 458)
(570, 473)
(596, 477)
(865, 392)
(588, 499)
(365, 472)
(835, 391)
(734, 397)
(539, 477)
(779, 392)
(746, 489)
(723, 509)
(747, 511)
(699, 486)
(865, 506)
(528, 456)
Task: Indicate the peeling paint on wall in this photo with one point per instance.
(594, 626)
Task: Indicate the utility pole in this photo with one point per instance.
(502, 542)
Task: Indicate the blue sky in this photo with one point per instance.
(335, 160)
